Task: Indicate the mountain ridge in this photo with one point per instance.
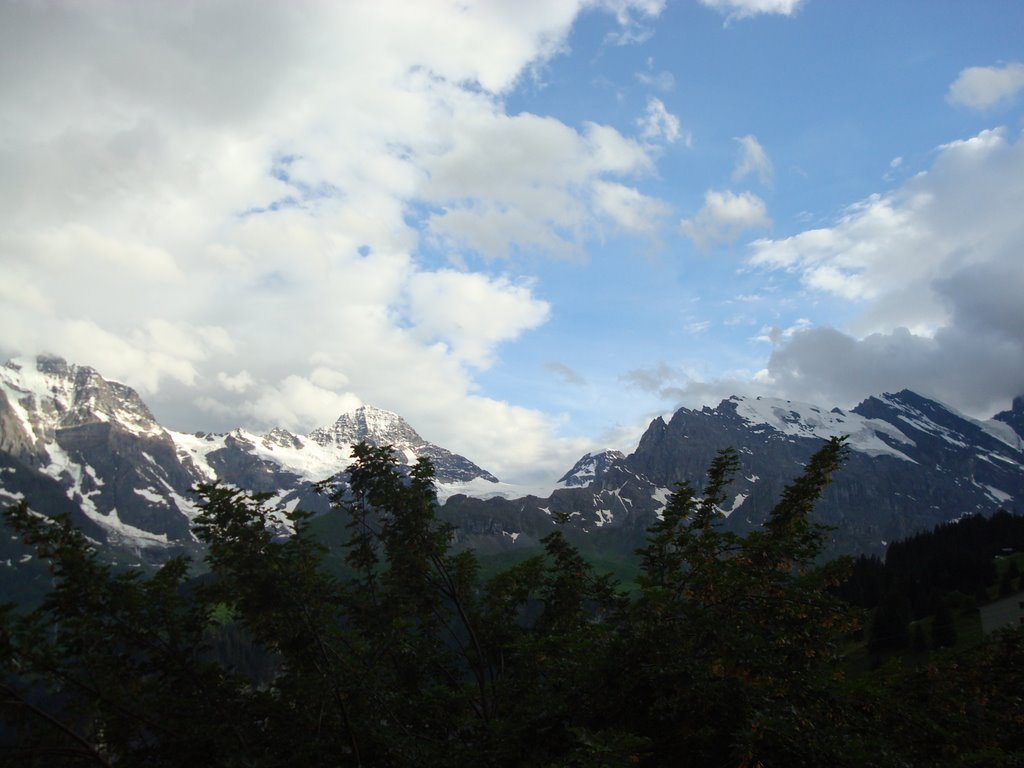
(913, 463)
(128, 480)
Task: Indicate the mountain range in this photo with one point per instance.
(72, 441)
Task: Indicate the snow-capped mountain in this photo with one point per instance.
(913, 463)
(65, 431)
(379, 427)
(72, 441)
(589, 468)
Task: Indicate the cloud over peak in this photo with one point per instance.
(185, 206)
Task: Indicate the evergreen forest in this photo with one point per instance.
(728, 650)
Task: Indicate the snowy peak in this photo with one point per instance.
(1013, 418)
(371, 425)
(867, 435)
(379, 427)
(589, 468)
(921, 418)
(72, 440)
(47, 394)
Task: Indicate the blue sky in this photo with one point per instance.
(526, 227)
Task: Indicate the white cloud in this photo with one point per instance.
(298, 404)
(935, 269)
(753, 159)
(523, 182)
(471, 313)
(660, 124)
(661, 81)
(724, 217)
(888, 251)
(984, 87)
(628, 208)
(631, 15)
(742, 9)
(240, 382)
(698, 326)
(934, 276)
(187, 207)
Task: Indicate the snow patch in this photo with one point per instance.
(998, 495)
(150, 495)
(797, 419)
(736, 503)
(660, 495)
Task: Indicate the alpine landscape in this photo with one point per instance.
(76, 443)
(511, 384)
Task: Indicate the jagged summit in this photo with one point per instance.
(1014, 417)
(76, 442)
(590, 467)
(47, 393)
(368, 424)
(377, 426)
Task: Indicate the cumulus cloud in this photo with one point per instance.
(742, 9)
(936, 273)
(192, 210)
(932, 277)
(629, 208)
(471, 313)
(240, 382)
(658, 124)
(888, 251)
(976, 372)
(724, 217)
(753, 160)
(520, 182)
(984, 87)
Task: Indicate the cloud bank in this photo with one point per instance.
(935, 274)
(262, 213)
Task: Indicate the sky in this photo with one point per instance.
(527, 226)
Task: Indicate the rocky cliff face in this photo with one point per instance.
(379, 427)
(1014, 418)
(912, 464)
(72, 441)
(66, 426)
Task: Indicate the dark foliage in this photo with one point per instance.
(729, 653)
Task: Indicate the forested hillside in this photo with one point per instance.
(731, 651)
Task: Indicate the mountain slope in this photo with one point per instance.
(72, 441)
(912, 463)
